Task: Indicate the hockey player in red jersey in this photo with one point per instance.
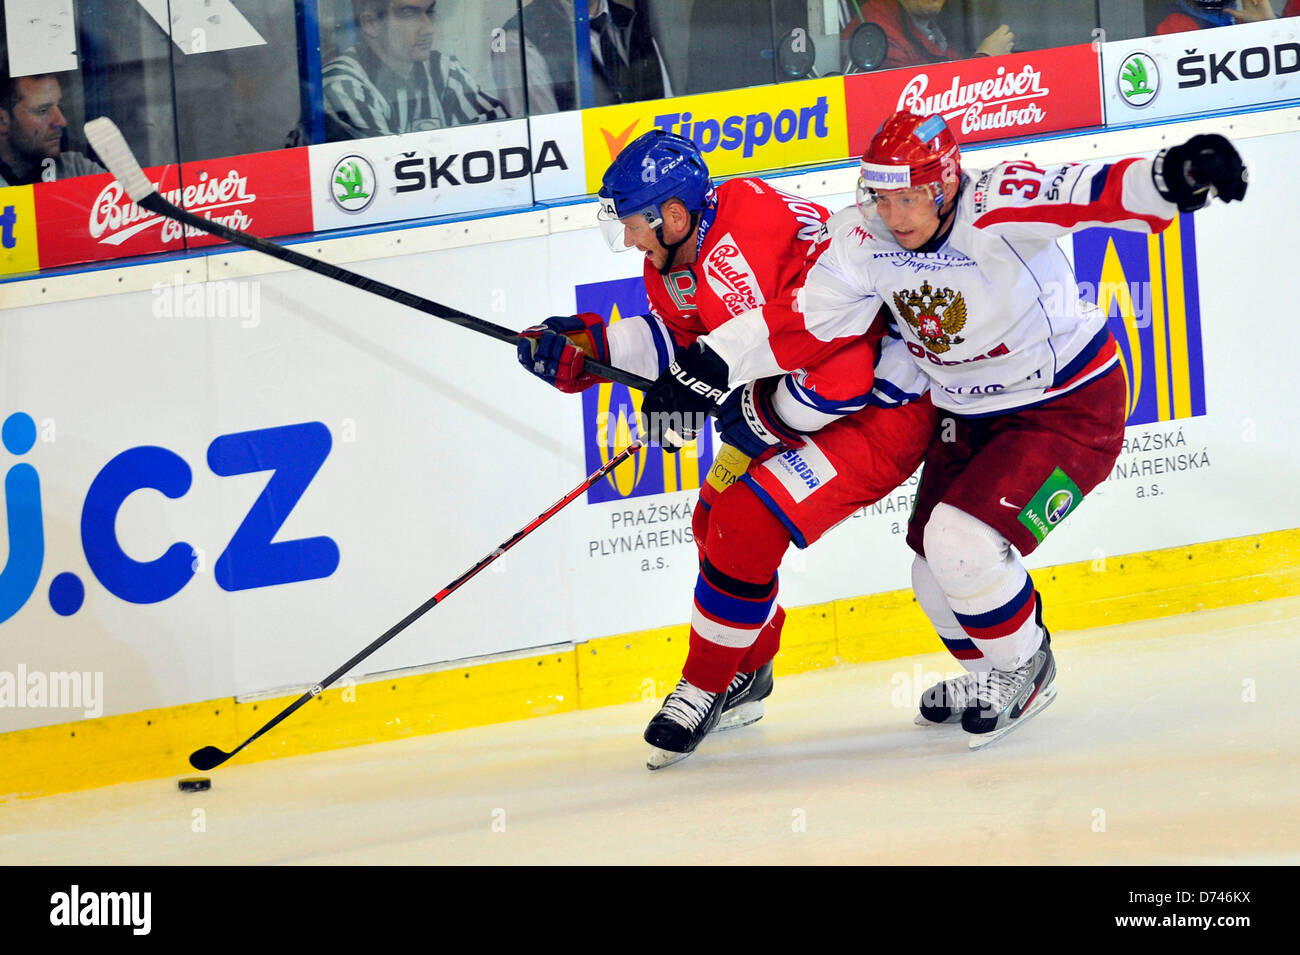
(1026, 372)
(712, 254)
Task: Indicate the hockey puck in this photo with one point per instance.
(195, 784)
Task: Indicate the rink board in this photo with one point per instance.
(405, 449)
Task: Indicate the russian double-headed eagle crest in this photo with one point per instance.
(941, 315)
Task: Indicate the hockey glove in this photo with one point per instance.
(680, 400)
(748, 421)
(1201, 168)
(556, 350)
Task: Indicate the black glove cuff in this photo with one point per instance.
(701, 371)
(1169, 173)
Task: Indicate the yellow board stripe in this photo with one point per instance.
(1178, 360)
(688, 460)
(670, 472)
(628, 668)
(1114, 290)
(1159, 346)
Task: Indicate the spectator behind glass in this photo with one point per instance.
(626, 66)
(1185, 15)
(912, 28)
(31, 131)
(394, 81)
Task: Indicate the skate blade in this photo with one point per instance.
(659, 758)
(951, 721)
(1044, 700)
(742, 715)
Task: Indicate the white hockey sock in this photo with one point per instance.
(935, 604)
(988, 588)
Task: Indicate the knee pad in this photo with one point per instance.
(965, 555)
(745, 539)
(700, 526)
(932, 598)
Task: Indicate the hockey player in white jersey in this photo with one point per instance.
(1027, 372)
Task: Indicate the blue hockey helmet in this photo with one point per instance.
(652, 169)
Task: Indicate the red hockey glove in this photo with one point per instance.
(556, 350)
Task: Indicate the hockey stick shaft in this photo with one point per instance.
(209, 756)
(108, 142)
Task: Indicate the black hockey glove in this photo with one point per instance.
(680, 400)
(1201, 168)
(748, 421)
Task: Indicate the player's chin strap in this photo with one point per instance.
(947, 216)
(672, 247)
(701, 222)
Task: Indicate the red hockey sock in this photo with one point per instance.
(736, 591)
(766, 646)
(709, 665)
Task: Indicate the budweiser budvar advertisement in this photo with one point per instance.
(91, 218)
(983, 98)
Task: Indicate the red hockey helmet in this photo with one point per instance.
(909, 151)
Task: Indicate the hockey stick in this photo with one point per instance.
(210, 757)
(108, 142)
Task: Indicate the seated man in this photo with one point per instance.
(31, 132)
(626, 66)
(1185, 15)
(912, 29)
(394, 81)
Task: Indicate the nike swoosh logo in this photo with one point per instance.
(616, 141)
(1005, 503)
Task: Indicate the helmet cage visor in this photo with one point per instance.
(879, 177)
(611, 223)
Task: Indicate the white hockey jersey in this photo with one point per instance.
(993, 315)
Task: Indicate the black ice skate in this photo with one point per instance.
(687, 716)
(745, 696)
(947, 701)
(1005, 699)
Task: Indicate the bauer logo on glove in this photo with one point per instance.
(681, 398)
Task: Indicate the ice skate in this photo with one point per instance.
(745, 696)
(947, 701)
(1006, 699)
(687, 716)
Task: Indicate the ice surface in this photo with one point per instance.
(1153, 753)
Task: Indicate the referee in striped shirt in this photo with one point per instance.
(394, 81)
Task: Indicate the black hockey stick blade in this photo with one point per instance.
(209, 757)
(108, 142)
